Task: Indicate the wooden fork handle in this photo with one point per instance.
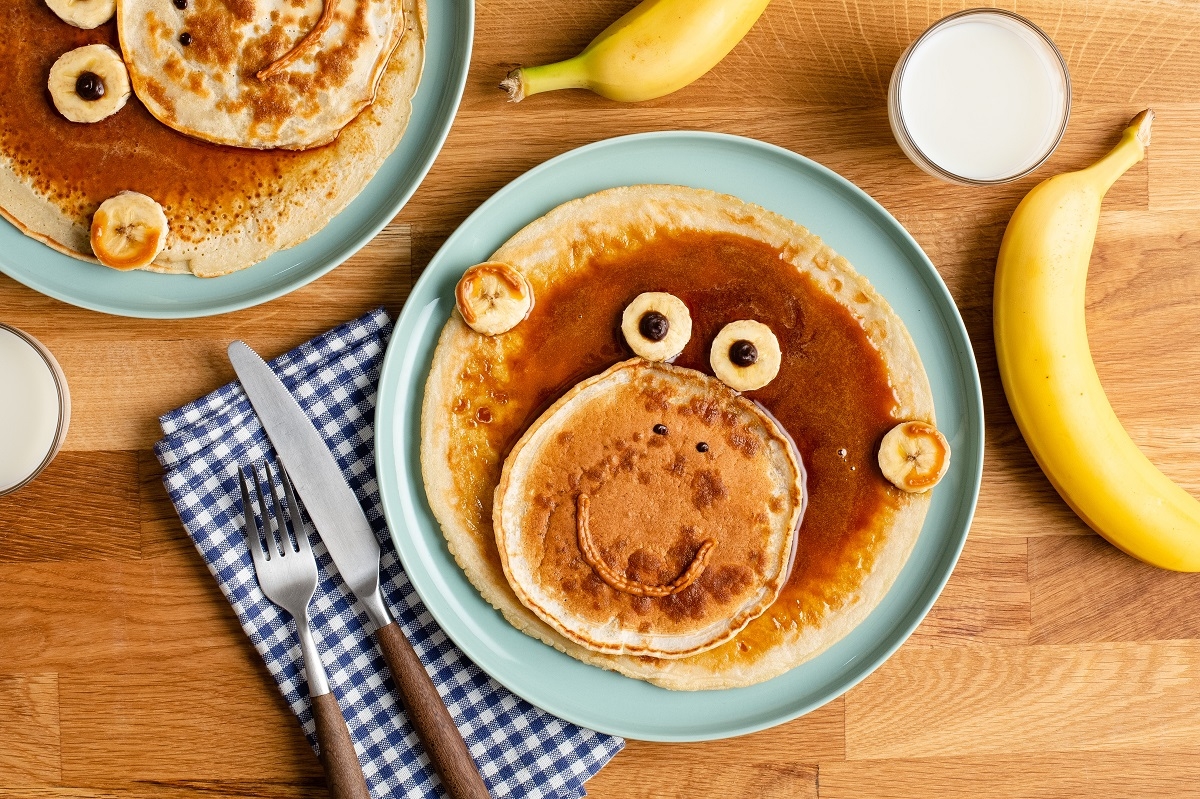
(342, 770)
(428, 714)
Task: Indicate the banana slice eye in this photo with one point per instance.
(656, 325)
(745, 355)
(89, 83)
(493, 298)
(914, 456)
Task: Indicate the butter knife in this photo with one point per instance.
(342, 525)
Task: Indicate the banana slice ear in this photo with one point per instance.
(656, 325)
(914, 456)
(745, 355)
(493, 298)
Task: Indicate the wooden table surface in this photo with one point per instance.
(1052, 665)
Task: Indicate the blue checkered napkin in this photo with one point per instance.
(521, 751)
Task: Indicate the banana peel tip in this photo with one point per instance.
(514, 86)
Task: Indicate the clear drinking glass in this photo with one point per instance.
(35, 408)
(1059, 78)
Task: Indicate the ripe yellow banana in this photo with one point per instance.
(1051, 381)
(657, 48)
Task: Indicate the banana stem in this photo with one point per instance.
(1130, 150)
(524, 81)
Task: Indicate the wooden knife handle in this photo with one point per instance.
(342, 770)
(428, 714)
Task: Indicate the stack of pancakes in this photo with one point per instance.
(651, 473)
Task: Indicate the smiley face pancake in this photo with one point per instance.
(847, 374)
(258, 73)
(650, 511)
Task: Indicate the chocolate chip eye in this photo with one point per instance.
(660, 429)
(743, 353)
(181, 4)
(702, 447)
(185, 38)
(89, 86)
(654, 326)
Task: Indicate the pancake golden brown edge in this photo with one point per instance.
(682, 495)
(228, 208)
(850, 372)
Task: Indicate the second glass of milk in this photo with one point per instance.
(35, 408)
(982, 97)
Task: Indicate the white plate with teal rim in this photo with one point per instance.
(849, 221)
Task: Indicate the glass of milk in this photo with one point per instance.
(35, 408)
(982, 97)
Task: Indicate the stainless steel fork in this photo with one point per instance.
(287, 573)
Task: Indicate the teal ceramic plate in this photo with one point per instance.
(854, 225)
(145, 294)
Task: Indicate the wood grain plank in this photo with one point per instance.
(780, 762)
(1084, 589)
(998, 700)
(1142, 326)
(174, 724)
(986, 599)
(84, 506)
(162, 533)
(1157, 774)
(29, 730)
(145, 614)
(729, 778)
(1175, 158)
(180, 789)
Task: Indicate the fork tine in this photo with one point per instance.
(250, 526)
(293, 508)
(264, 500)
(285, 540)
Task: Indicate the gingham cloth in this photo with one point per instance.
(521, 750)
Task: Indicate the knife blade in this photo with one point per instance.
(329, 500)
(339, 519)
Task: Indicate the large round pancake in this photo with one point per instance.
(227, 208)
(209, 89)
(655, 503)
(565, 242)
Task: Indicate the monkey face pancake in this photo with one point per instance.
(650, 511)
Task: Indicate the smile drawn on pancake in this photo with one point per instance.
(286, 60)
(623, 584)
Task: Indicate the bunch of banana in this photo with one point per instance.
(1051, 381)
(657, 48)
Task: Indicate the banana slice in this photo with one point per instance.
(657, 326)
(89, 84)
(86, 14)
(493, 298)
(129, 231)
(745, 355)
(914, 456)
